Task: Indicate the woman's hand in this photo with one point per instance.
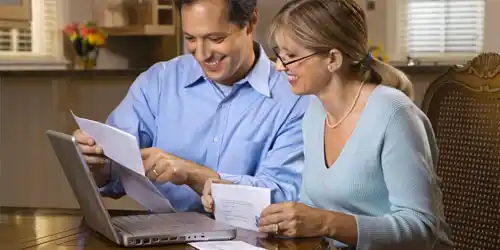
(206, 198)
(295, 220)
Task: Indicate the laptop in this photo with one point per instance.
(131, 230)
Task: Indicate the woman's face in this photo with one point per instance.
(307, 70)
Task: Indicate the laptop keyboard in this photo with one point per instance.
(148, 223)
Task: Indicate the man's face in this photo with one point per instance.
(217, 44)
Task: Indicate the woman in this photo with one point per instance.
(370, 154)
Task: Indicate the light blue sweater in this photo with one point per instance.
(384, 176)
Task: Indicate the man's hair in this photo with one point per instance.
(239, 11)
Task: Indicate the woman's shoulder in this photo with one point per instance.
(388, 100)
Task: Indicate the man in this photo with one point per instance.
(220, 112)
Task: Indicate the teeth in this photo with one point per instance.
(212, 63)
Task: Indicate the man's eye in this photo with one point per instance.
(217, 39)
(189, 38)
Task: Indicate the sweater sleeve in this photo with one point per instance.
(408, 159)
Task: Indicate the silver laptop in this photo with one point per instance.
(134, 230)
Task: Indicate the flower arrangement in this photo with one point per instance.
(86, 39)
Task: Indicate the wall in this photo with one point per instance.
(267, 10)
(379, 24)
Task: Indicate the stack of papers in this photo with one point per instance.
(240, 205)
(123, 149)
(223, 245)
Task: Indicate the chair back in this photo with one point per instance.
(463, 105)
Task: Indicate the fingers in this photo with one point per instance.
(151, 161)
(93, 154)
(147, 152)
(271, 228)
(82, 138)
(271, 219)
(208, 203)
(86, 149)
(95, 159)
(206, 199)
(274, 208)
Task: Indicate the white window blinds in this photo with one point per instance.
(441, 28)
(41, 38)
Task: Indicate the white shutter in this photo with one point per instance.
(441, 29)
(51, 34)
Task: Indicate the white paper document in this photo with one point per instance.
(223, 245)
(142, 190)
(123, 149)
(240, 205)
(119, 146)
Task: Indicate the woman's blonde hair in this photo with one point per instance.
(321, 25)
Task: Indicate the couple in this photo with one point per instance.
(329, 129)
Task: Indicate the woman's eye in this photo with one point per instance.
(288, 56)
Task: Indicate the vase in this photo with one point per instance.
(86, 54)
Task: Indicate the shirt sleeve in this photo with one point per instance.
(408, 160)
(135, 114)
(281, 170)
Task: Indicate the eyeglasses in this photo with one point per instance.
(275, 50)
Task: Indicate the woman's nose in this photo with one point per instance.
(280, 66)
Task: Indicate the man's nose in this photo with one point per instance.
(202, 52)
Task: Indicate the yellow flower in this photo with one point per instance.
(95, 39)
(73, 36)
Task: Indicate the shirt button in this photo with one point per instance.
(216, 139)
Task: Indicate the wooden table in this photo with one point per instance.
(65, 229)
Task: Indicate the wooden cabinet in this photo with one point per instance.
(148, 18)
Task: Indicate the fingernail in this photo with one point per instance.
(98, 150)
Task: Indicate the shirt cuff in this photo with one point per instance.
(236, 179)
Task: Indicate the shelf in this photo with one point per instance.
(143, 30)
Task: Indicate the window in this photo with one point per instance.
(440, 30)
(35, 38)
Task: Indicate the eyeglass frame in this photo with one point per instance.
(285, 64)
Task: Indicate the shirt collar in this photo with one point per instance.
(258, 77)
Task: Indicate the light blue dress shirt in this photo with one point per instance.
(251, 136)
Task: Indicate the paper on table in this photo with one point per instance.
(141, 189)
(223, 245)
(119, 146)
(240, 205)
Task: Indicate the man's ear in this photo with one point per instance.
(335, 60)
(252, 23)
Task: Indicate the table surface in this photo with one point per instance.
(65, 229)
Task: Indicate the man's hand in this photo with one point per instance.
(164, 167)
(161, 166)
(206, 198)
(94, 156)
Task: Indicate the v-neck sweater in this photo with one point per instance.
(384, 176)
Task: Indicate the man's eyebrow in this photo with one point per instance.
(209, 34)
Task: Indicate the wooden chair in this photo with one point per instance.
(463, 105)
